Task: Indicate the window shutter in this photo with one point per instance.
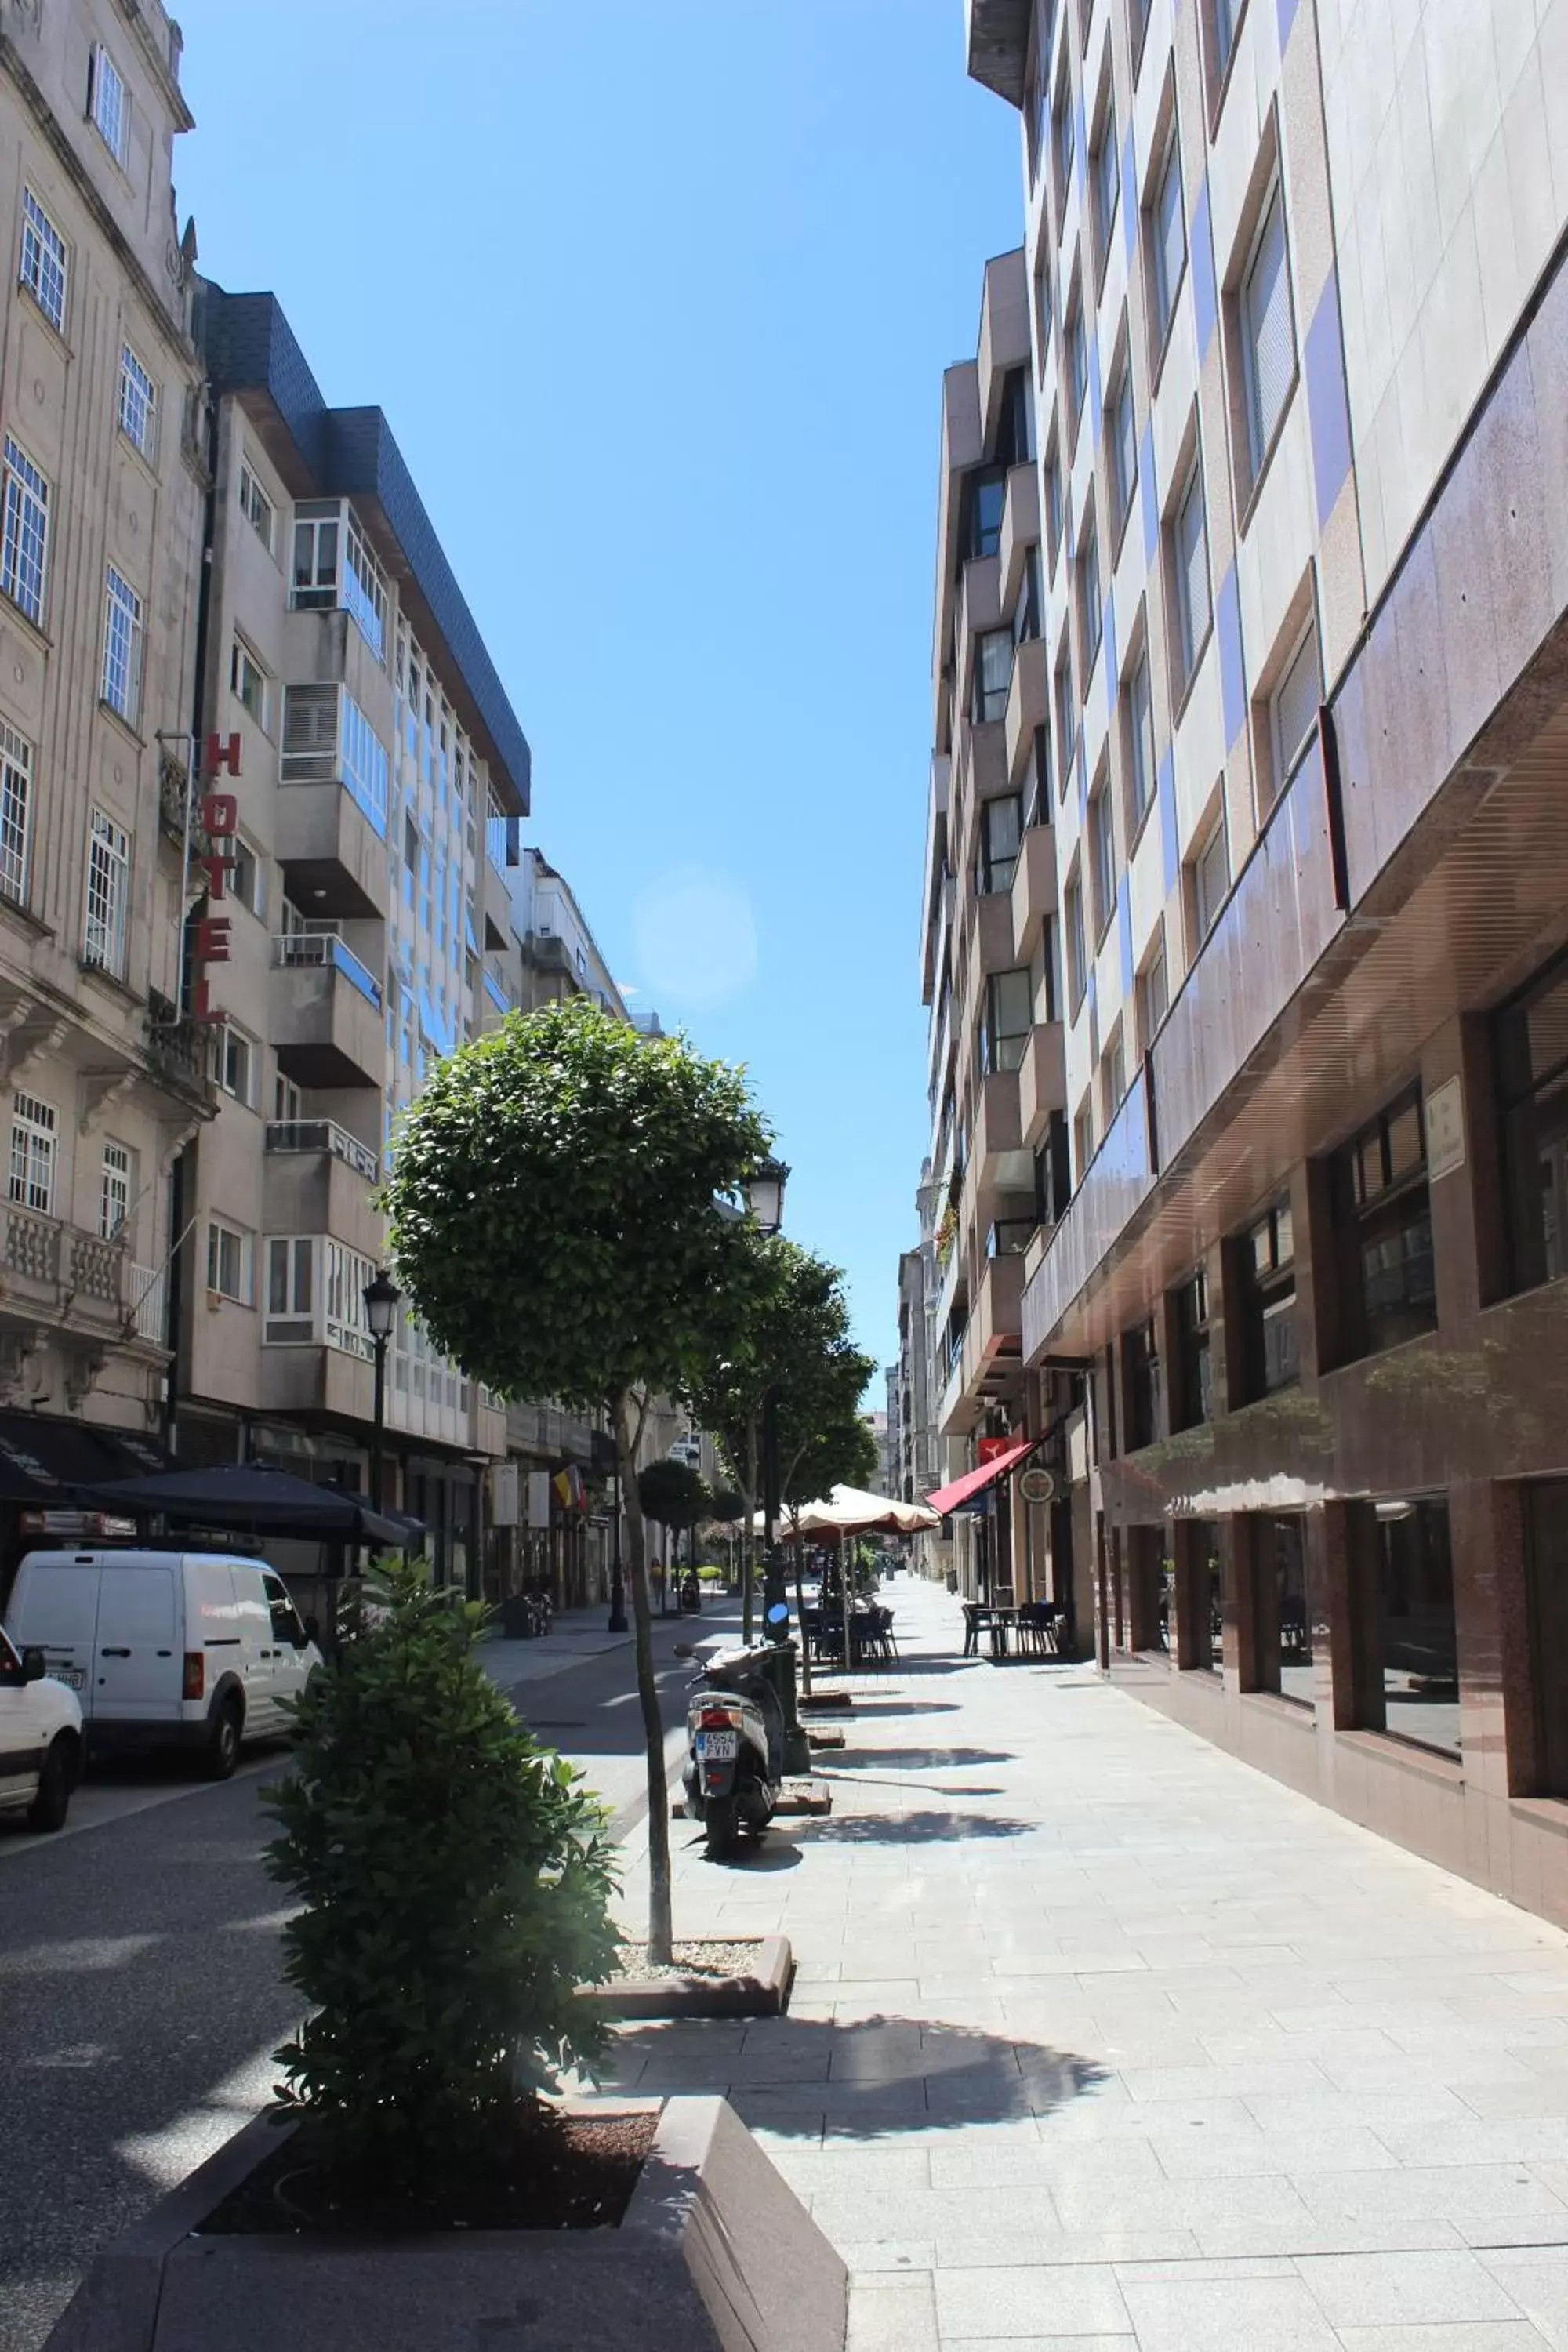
(310, 735)
(1271, 342)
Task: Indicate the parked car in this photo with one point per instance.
(166, 1648)
(40, 1739)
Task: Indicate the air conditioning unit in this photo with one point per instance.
(215, 1300)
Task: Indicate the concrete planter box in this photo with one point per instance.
(761, 1995)
(715, 2253)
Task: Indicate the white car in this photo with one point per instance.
(40, 1739)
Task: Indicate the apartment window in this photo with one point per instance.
(1192, 571)
(121, 646)
(1062, 140)
(1154, 994)
(287, 1100)
(1053, 507)
(1026, 614)
(25, 537)
(1532, 1048)
(1101, 858)
(1042, 311)
(1001, 829)
(1168, 239)
(1078, 959)
(110, 104)
(291, 1278)
(987, 496)
(1211, 879)
(1267, 1259)
(248, 682)
(233, 1061)
(1112, 1080)
(1053, 1173)
(1546, 1580)
(244, 876)
(15, 791)
(1144, 1386)
(1064, 729)
(33, 1146)
(113, 1193)
(317, 524)
(256, 507)
(364, 591)
(1137, 27)
(1408, 1647)
(1078, 364)
(1014, 430)
(1037, 793)
(1083, 1138)
(229, 1251)
(1091, 598)
(107, 895)
(43, 265)
(138, 404)
(1385, 1234)
(1124, 440)
(992, 674)
(1139, 711)
(1009, 1016)
(1193, 1352)
(1293, 709)
(1107, 168)
(1268, 333)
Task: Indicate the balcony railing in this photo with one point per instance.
(293, 949)
(67, 1259)
(323, 1135)
(179, 1050)
(146, 1304)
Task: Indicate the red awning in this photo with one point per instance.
(975, 1482)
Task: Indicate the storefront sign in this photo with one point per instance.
(1445, 1129)
(218, 817)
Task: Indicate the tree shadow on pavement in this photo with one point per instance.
(925, 1760)
(920, 1828)
(866, 2079)
(903, 1707)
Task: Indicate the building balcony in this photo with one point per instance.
(1028, 702)
(996, 45)
(1119, 1179)
(179, 1053)
(1020, 528)
(997, 1317)
(1034, 889)
(317, 1178)
(549, 1431)
(997, 1128)
(989, 947)
(1004, 343)
(503, 854)
(326, 1023)
(979, 609)
(333, 859)
(1042, 1081)
(57, 1272)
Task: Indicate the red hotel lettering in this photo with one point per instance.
(202, 1006)
(219, 754)
(218, 817)
(219, 814)
(212, 938)
(215, 868)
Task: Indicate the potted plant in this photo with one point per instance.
(454, 1882)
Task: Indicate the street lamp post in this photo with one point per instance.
(382, 1297)
(766, 1195)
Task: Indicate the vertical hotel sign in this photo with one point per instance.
(217, 819)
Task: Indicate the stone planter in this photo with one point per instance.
(763, 1994)
(715, 2253)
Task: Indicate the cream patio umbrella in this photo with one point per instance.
(850, 1511)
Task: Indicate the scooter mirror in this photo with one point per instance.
(684, 1649)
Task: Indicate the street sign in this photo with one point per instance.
(1036, 1485)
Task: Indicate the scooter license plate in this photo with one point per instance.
(717, 1747)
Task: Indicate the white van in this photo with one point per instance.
(165, 1647)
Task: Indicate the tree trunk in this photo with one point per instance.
(800, 1610)
(659, 1928)
(748, 1533)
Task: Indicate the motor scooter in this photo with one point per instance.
(735, 1726)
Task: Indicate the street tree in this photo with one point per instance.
(562, 1215)
(675, 1495)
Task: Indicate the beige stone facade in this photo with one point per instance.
(100, 569)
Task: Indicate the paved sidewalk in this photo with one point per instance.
(1101, 2040)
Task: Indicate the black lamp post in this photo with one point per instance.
(766, 1195)
(382, 1299)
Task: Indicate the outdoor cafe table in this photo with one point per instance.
(992, 1617)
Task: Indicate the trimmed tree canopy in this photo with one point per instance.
(674, 1494)
(554, 1205)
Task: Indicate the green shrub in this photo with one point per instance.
(454, 1880)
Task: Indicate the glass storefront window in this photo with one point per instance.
(1546, 1522)
(1532, 1078)
(1284, 1623)
(1416, 1671)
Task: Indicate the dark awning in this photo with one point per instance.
(247, 1497)
(47, 1460)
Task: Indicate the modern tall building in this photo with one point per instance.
(100, 563)
(990, 958)
(1299, 367)
(341, 929)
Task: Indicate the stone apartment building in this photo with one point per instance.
(1299, 357)
(101, 559)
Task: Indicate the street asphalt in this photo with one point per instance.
(140, 1991)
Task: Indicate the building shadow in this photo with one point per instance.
(867, 2079)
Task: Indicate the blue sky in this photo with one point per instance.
(657, 295)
